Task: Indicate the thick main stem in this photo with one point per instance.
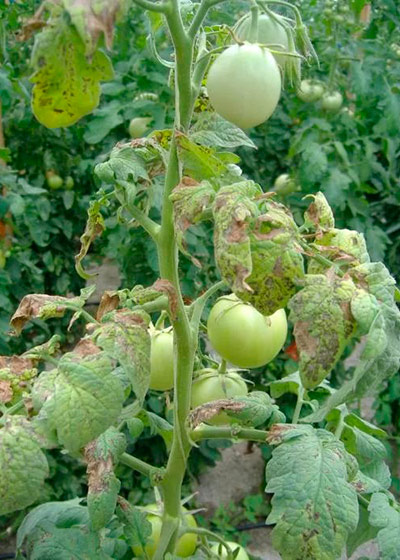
(168, 261)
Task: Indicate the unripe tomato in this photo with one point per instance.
(54, 181)
(212, 387)
(284, 184)
(162, 360)
(269, 33)
(138, 126)
(332, 101)
(244, 85)
(69, 183)
(242, 335)
(186, 545)
(220, 551)
(309, 91)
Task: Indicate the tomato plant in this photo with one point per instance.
(92, 399)
(242, 335)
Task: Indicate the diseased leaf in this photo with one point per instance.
(101, 456)
(380, 359)
(314, 507)
(258, 409)
(319, 215)
(255, 246)
(157, 425)
(323, 325)
(160, 287)
(199, 162)
(87, 397)
(94, 228)
(93, 18)
(15, 373)
(66, 513)
(124, 336)
(190, 200)
(137, 528)
(66, 83)
(387, 519)
(23, 466)
(43, 306)
(341, 246)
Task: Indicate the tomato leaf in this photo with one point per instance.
(137, 528)
(124, 336)
(93, 18)
(190, 200)
(364, 532)
(87, 397)
(212, 130)
(314, 507)
(323, 325)
(387, 519)
(255, 246)
(66, 84)
(101, 456)
(380, 358)
(23, 466)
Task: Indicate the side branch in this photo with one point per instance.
(140, 466)
(161, 7)
(228, 432)
(200, 15)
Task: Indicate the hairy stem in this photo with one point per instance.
(228, 432)
(138, 465)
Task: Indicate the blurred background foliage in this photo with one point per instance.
(352, 155)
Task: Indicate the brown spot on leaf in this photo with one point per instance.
(6, 392)
(98, 469)
(207, 411)
(85, 347)
(109, 301)
(166, 287)
(277, 432)
(32, 305)
(16, 364)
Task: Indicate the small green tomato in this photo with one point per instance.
(138, 126)
(242, 335)
(332, 101)
(185, 546)
(54, 181)
(162, 360)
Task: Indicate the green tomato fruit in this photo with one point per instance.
(214, 386)
(138, 126)
(54, 181)
(332, 101)
(309, 91)
(186, 545)
(270, 32)
(69, 183)
(162, 360)
(284, 184)
(244, 85)
(242, 335)
(220, 551)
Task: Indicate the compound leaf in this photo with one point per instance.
(314, 507)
